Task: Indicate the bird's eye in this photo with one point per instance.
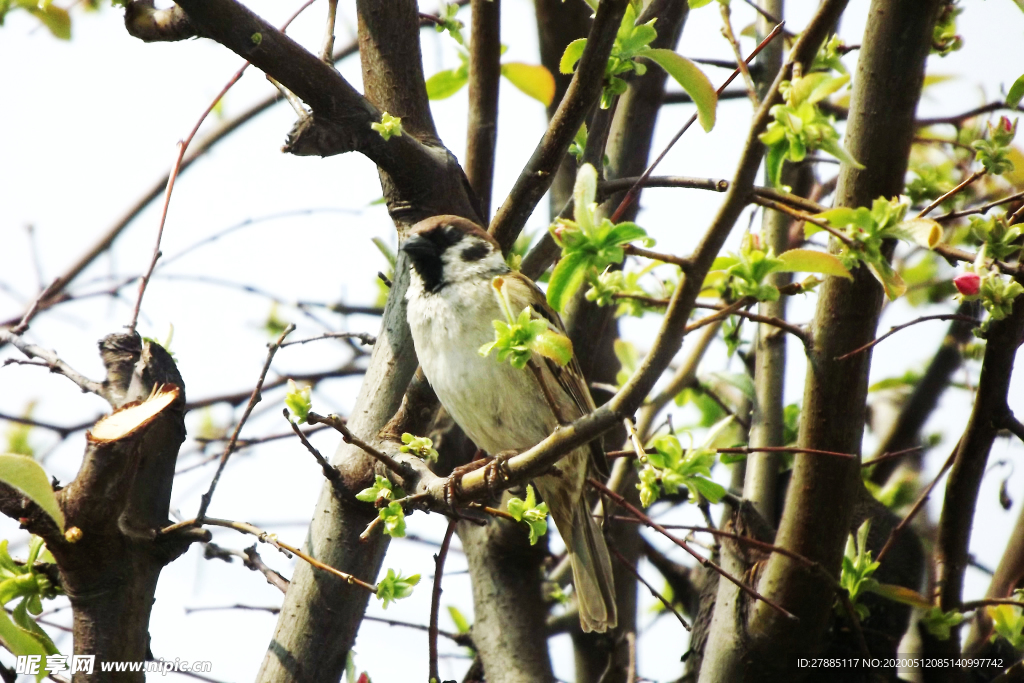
(475, 252)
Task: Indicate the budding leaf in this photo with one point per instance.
(395, 587)
(529, 512)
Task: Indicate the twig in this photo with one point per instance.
(22, 325)
(680, 261)
(53, 361)
(610, 187)
(62, 432)
(975, 604)
(957, 119)
(584, 89)
(800, 215)
(635, 190)
(970, 320)
(751, 449)
(435, 599)
(665, 601)
(705, 562)
(730, 37)
(364, 338)
(463, 639)
(254, 398)
(265, 537)
(330, 472)
(328, 48)
(176, 168)
(1010, 423)
(955, 191)
(338, 424)
(220, 608)
(890, 456)
(918, 504)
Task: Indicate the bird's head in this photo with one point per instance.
(449, 249)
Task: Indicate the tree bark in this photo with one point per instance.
(819, 504)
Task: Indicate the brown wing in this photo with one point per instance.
(522, 293)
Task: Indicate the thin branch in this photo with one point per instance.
(52, 360)
(266, 537)
(918, 504)
(435, 600)
(801, 215)
(176, 168)
(330, 472)
(364, 338)
(970, 320)
(983, 209)
(952, 193)
(62, 432)
(463, 639)
(483, 79)
(730, 37)
(890, 456)
(680, 261)
(705, 562)
(958, 119)
(255, 398)
(339, 425)
(635, 190)
(1010, 423)
(583, 91)
(665, 601)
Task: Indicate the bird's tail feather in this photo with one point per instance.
(591, 571)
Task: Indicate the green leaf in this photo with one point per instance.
(572, 54)
(55, 18)
(420, 446)
(21, 642)
(709, 489)
(299, 400)
(555, 346)
(395, 587)
(924, 231)
(533, 79)
(692, 80)
(844, 216)
(900, 594)
(697, 4)
(811, 261)
(27, 623)
(1016, 93)
(567, 277)
(773, 161)
(460, 621)
(444, 84)
(839, 152)
(28, 476)
(890, 279)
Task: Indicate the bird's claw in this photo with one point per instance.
(453, 487)
(496, 471)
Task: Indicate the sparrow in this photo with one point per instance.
(451, 306)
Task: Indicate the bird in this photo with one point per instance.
(450, 308)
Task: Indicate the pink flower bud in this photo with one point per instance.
(968, 284)
(1004, 123)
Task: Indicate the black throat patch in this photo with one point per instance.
(426, 250)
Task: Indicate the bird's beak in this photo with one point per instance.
(419, 248)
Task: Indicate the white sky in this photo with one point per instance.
(89, 125)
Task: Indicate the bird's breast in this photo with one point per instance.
(497, 406)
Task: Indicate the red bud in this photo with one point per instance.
(968, 284)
